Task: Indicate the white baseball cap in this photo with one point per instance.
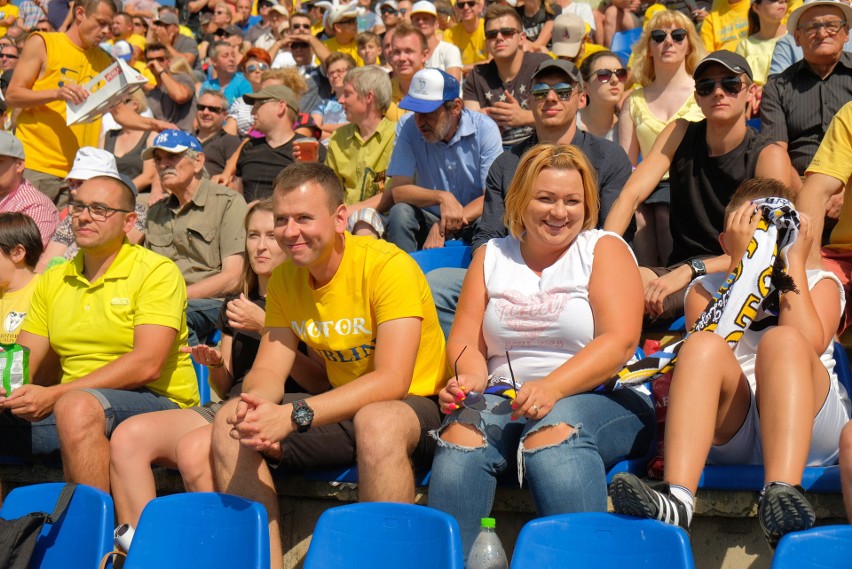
(429, 89)
(424, 7)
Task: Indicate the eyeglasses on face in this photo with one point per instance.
(256, 67)
(388, 10)
(96, 211)
(540, 91)
(505, 32)
(731, 85)
(463, 5)
(831, 28)
(260, 103)
(210, 108)
(8, 56)
(605, 75)
(659, 36)
(302, 26)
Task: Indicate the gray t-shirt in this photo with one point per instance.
(163, 107)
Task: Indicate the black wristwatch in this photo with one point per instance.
(698, 268)
(302, 416)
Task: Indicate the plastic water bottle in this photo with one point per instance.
(487, 551)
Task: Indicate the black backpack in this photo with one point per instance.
(18, 537)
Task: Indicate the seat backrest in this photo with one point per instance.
(825, 547)
(622, 43)
(81, 536)
(202, 375)
(206, 530)
(379, 535)
(453, 257)
(842, 368)
(601, 541)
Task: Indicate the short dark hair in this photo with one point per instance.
(495, 11)
(91, 5)
(299, 173)
(126, 198)
(153, 46)
(756, 188)
(20, 229)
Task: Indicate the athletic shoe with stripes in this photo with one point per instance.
(633, 497)
(783, 509)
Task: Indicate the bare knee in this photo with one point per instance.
(79, 415)
(193, 455)
(463, 434)
(386, 428)
(127, 441)
(846, 446)
(548, 436)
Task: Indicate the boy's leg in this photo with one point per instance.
(846, 468)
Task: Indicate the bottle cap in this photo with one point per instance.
(488, 522)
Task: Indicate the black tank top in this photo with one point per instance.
(131, 163)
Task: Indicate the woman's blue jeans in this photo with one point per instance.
(567, 477)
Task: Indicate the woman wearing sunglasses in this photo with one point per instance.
(604, 81)
(665, 57)
(252, 66)
(546, 316)
(765, 28)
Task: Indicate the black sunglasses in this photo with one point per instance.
(540, 91)
(388, 10)
(731, 85)
(463, 5)
(300, 27)
(604, 75)
(659, 36)
(505, 32)
(210, 108)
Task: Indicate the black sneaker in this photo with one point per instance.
(783, 509)
(633, 497)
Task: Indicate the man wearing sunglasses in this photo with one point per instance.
(442, 55)
(389, 12)
(173, 95)
(218, 146)
(439, 164)
(706, 161)
(500, 87)
(104, 333)
(799, 103)
(469, 34)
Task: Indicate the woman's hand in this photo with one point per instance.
(452, 396)
(535, 399)
(204, 354)
(245, 315)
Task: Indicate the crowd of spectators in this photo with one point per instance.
(287, 132)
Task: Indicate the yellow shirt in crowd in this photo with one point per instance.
(13, 309)
(834, 158)
(472, 46)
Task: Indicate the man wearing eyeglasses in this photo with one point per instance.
(500, 88)
(104, 333)
(8, 57)
(389, 11)
(707, 161)
(199, 226)
(799, 103)
(173, 95)
(218, 145)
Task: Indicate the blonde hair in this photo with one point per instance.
(539, 157)
(643, 65)
(287, 76)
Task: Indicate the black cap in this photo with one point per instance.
(562, 65)
(734, 62)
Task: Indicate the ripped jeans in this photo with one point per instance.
(567, 477)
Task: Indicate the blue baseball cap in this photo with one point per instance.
(174, 142)
(429, 89)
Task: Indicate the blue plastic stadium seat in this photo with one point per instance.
(755, 123)
(380, 535)
(80, 538)
(454, 255)
(820, 480)
(828, 547)
(622, 43)
(601, 541)
(206, 530)
(202, 374)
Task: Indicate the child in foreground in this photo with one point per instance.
(753, 404)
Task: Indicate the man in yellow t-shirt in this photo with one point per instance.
(469, 34)
(113, 319)
(362, 306)
(50, 73)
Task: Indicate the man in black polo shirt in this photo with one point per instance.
(799, 103)
(275, 110)
(555, 98)
(218, 145)
(706, 161)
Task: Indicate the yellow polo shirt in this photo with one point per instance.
(350, 48)
(91, 324)
(472, 46)
(394, 113)
(361, 164)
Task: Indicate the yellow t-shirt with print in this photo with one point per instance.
(834, 158)
(472, 46)
(376, 282)
(13, 309)
(92, 324)
(50, 145)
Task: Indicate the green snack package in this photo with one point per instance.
(14, 366)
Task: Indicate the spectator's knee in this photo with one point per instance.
(127, 441)
(385, 428)
(193, 456)
(79, 415)
(547, 436)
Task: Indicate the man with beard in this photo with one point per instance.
(447, 150)
(199, 227)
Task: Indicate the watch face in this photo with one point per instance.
(303, 415)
